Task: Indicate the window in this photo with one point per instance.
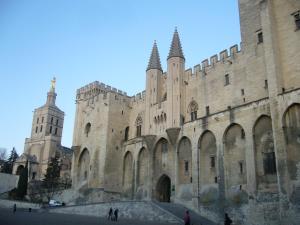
(297, 19)
(55, 131)
(139, 130)
(241, 167)
(33, 175)
(186, 167)
(56, 122)
(266, 84)
(126, 133)
(227, 82)
(42, 119)
(37, 120)
(242, 91)
(193, 107)
(51, 120)
(87, 129)
(212, 162)
(260, 38)
(207, 110)
(138, 124)
(242, 134)
(41, 129)
(216, 180)
(50, 131)
(193, 116)
(36, 129)
(269, 163)
(181, 120)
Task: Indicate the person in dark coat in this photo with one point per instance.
(116, 214)
(110, 213)
(15, 208)
(187, 218)
(227, 220)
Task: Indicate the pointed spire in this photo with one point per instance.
(176, 50)
(154, 61)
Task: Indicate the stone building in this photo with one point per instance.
(45, 141)
(223, 136)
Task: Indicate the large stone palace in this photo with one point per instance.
(223, 135)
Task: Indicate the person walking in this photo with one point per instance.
(227, 220)
(187, 218)
(14, 208)
(116, 214)
(110, 213)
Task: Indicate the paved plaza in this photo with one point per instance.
(22, 217)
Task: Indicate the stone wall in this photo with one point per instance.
(8, 182)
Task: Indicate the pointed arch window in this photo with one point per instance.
(192, 109)
(138, 124)
(87, 129)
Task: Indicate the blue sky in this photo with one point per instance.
(87, 40)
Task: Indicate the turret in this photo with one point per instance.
(153, 84)
(175, 72)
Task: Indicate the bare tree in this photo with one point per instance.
(3, 154)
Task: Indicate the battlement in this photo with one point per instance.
(96, 88)
(139, 97)
(224, 57)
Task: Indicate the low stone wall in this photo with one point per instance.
(10, 204)
(130, 210)
(8, 182)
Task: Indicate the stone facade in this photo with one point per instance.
(223, 136)
(45, 141)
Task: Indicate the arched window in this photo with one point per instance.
(192, 109)
(138, 124)
(87, 129)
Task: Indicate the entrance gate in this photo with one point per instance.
(163, 189)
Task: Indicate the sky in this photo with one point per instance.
(81, 41)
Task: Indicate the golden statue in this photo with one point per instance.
(53, 82)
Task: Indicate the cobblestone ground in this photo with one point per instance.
(22, 217)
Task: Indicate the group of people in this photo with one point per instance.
(113, 214)
(187, 219)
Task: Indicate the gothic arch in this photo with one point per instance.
(143, 166)
(234, 156)
(161, 156)
(128, 173)
(207, 158)
(184, 161)
(291, 128)
(265, 161)
(192, 109)
(19, 169)
(83, 166)
(87, 129)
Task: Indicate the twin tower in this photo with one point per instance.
(164, 91)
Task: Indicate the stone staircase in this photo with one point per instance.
(179, 211)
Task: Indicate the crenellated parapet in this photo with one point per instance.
(95, 88)
(138, 98)
(224, 57)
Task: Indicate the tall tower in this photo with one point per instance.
(153, 86)
(176, 68)
(46, 133)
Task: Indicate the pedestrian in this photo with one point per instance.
(15, 208)
(110, 212)
(116, 214)
(187, 218)
(227, 220)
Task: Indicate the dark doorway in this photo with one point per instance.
(19, 169)
(163, 189)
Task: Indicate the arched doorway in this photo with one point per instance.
(19, 169)
(163, 189)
